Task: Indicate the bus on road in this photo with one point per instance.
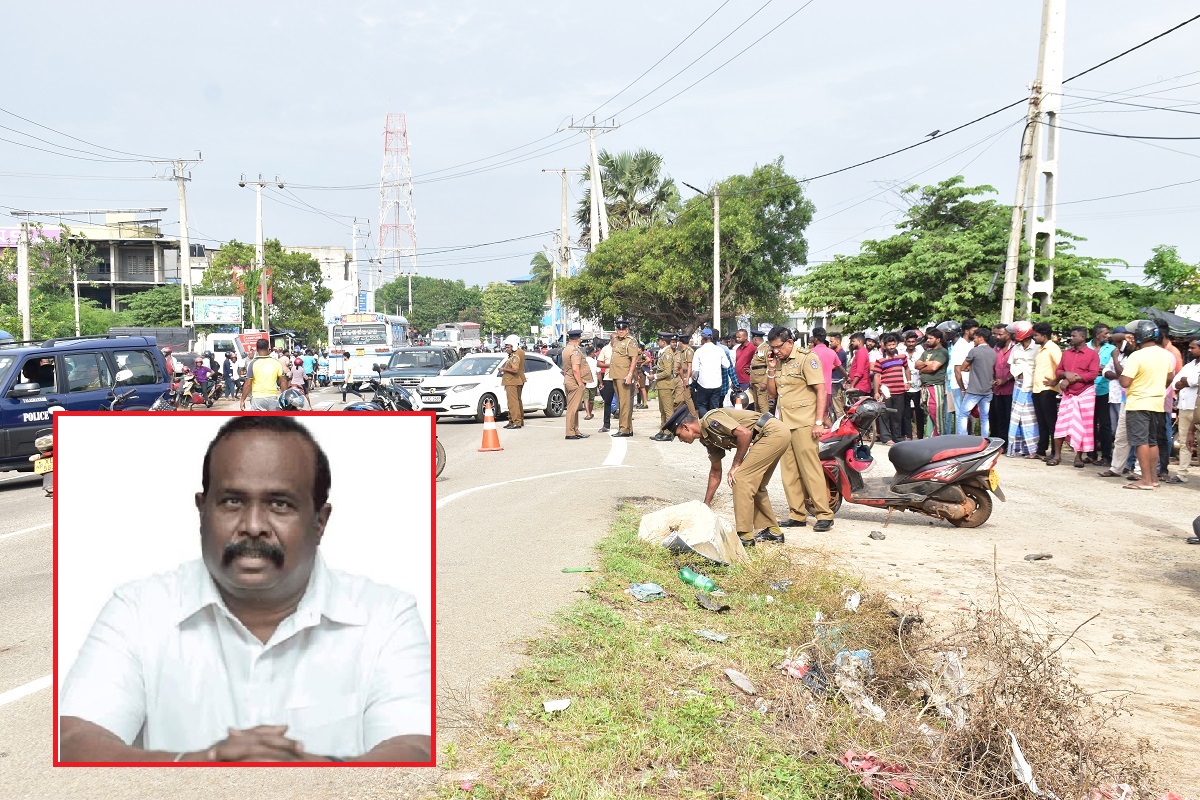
(370, 338)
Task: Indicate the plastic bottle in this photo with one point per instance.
(704, 584)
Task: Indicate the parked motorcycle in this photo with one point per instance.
(947, 477)
(191, 394)
(390, 397)
(43, 461)
(168, 400)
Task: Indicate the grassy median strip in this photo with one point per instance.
(653, 713)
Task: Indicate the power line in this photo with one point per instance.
(137, 156)
(1135, 105)
(1129, 135)
(656, 63)
(46, 176)
(1128, 194)
(1130, 50)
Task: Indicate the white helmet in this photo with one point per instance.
(512, 341)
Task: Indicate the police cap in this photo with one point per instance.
(664, 336)
(574, 333)
(675, 419)
(622, 324)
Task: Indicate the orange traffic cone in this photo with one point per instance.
(491, 439)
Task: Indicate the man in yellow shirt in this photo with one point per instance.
(1046, 390)
(1145, 376)
(266, 380)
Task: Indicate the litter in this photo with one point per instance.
(511, 726)
(1038, 557)
(770, 599)
(853, 599)
(878, 536)
(811, 675)
(1115, 791)
(877, 776)
(707, 634)
(556, 705)
(739, 680)
(645, 592)
(579, 569)
(851, 669)
(781, 586)
(466, 786)
(708, 604)
(948, 690)
(1023, 771)
(762, 706)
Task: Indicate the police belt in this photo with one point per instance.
(760, 427)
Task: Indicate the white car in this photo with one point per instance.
(464, 389)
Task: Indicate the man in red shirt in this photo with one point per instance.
(1077, 373)
(1002, 384)
(743, 352)
(891, 377)
(830, 363)
(859, 379)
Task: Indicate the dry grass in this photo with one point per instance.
(653, 714)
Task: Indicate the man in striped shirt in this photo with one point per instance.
(891, 378)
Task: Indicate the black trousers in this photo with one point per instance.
(999, 416)
(913, 415)
(891, 426)
(1104, 429)
(606, 392)
(1045, 408)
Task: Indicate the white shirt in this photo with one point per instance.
(958, 354)
(595, 372)
(1187, 395)
(914, 382)
(168, 665)
(707, 365)
(606, 357)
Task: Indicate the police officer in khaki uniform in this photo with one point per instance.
(624, 361)
(797, 384)
(758, 374)
(576, 373)
(758, 441)
(664, 380)
(512, 378)
(683, 370)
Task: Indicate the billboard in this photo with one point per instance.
(217, 310)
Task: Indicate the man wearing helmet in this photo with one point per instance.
(174, 365)
(1145, 376)
(512, 378)
(264, 380)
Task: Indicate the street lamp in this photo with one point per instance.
(715, 196)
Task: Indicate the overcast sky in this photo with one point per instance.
(301, 89)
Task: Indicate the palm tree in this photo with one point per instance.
(541, 268)
(635, 194)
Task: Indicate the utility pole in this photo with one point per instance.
(259, 258)
(1013, 258)
(1041, 219)
(23, 304)
(599, 214)
(75, 291)
(562, 253)
(181, 174)
(715, 196)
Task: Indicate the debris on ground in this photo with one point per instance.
(852, 669)
(693, 527)
(781, 586)
(762, 706)
(693, 578)
(879, 777)
(739, 680)
(878, 536)
(811, 675)
(578, 569)
(707, 634)
(1023, 771)
(1114, 791)
(947, 690)
(645, 592)
(853, 599)
(708, 604)
(1038, 557)
(556, 705)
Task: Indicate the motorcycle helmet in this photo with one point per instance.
(1143, 330)
(951, 329)
(363, 405)
(299, 362)
(292, 400)
(740, 395)
(166, 351)
(208, 354)
(199, 362)
(1021, 330)
(513, 341)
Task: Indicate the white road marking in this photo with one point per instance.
(617, 453)
(18, 475)
(12, 695)
(24, 530)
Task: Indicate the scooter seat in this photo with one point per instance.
(909, 456)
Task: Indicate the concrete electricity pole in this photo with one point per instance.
(715, 196)
(1012, 260)
(259, 259)
(181, 174)
(23, 303)
(562, 253)
(599, 216)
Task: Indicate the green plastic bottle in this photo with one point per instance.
(701, 582)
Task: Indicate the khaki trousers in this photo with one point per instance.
(683, 395)
(516, 411)
(574, 398)
(752, 510)
(803, 479)
(666, 399)
(625, 393)
(1188, 419)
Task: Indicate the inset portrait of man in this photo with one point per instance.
(257, 651)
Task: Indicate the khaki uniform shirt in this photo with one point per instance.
(758, 367)
(624, 356)
(517, 359)
(795, 379)
(664, 370)
(717, 426)
(683, 362)
(572, 356)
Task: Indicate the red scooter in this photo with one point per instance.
(947, 477)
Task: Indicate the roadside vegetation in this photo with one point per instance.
(653, 713)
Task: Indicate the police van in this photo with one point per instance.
(78, 374)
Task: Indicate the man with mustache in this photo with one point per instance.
(257, 651)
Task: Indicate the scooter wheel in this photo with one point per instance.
(983, 508)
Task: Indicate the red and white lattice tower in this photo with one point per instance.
(397, 217)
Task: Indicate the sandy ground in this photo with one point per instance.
(1117, 553)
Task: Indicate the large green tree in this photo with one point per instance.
(1173, 276)
(508, 308)
(946, 261)
(434, 300)
(154, 308)
(636, 194)
(661, 275)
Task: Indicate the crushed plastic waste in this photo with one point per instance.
(646, 592)
(947, 690)
(781, 586)
(556, 705)
(739, 680)
(852, 668)
(811, 675)
(1038, 557)
(707, 634)
(853, 599)
(879, 777)
(708, 604)
(579, 569)
(1023, 771)
(878, 536)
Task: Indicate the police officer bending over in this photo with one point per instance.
(758, 441)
